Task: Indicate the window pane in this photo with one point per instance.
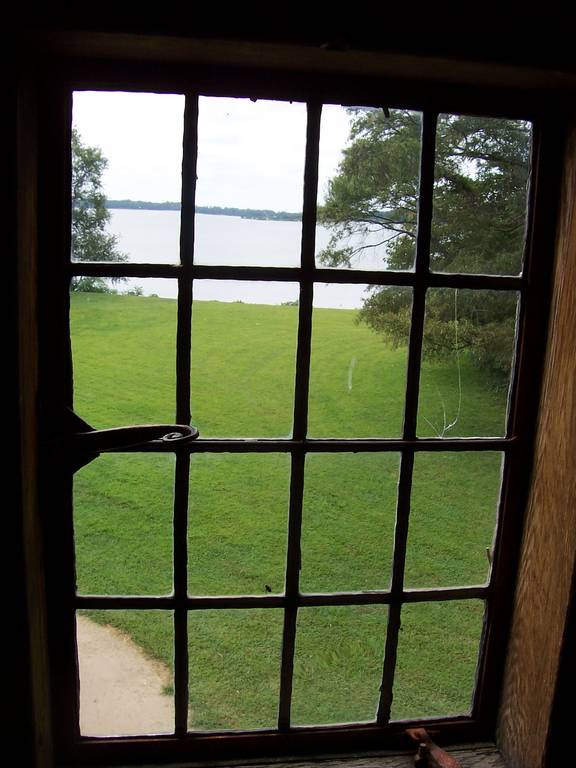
(468, 350)
(124, 356)
(125, 661)
(358, 364)
(147, 235)
(126, 180)
(241, 240)
(250, 177)
(338, 664)
(368, 188)
(238, 523)
(348, 521)
(480, 194)
(234, 668)
(123, 507)
(452, 518)
(243, 357)
(437, 658)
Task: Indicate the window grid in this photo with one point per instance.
(299, 445)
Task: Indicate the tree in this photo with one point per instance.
(90, 240)
(481, 178)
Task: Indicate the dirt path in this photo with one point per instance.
(120, 687)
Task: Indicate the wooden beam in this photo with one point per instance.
(292, 57)
(549, 543)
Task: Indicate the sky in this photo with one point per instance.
(250, 154)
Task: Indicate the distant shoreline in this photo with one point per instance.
(214, 210)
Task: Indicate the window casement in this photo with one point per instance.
(179, 607)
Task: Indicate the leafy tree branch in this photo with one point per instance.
(90, 239)
(479, 203)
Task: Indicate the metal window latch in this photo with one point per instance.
(82, 443)
(429, 754)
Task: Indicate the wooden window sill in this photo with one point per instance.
(471, 756)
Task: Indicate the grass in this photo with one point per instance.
(242, 385)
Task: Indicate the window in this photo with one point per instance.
(305, 606)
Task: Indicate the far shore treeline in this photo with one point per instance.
(215, 210)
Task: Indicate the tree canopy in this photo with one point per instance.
(90, 239)
(479, 204)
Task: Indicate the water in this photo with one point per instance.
(152, 237)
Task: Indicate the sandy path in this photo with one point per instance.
(120, 687)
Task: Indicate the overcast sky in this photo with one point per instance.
(251, 154)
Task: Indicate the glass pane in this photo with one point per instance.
(452, 518)
(124, 356)
(243, 357)
(250, 177)
(348, 521)
(358, 361)
(437, 658)
(126, 178)
(238, 523)
(123, 507)
(368, 188)
(468, 350)
(338, 664)
(234, 668)
(125, 661)
(482, 172)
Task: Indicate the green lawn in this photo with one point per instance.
(242, 385)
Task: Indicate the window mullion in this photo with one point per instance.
(307, 266)
(426, 188)
(292, 589)
(183, 414)
(184, 333)
(300, 411)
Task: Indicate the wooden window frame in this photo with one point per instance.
(51, 101)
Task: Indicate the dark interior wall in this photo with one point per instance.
(563, 711)
(15, 632)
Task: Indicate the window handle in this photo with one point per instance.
(98, 440)
(83, 443)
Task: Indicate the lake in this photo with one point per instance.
(152, 237)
